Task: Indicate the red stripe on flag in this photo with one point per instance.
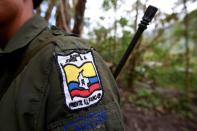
(85, 93)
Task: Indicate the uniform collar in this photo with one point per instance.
(25, 34)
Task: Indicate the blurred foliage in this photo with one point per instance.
(107, 4)
(160, 58)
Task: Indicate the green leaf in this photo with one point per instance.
(123, 21)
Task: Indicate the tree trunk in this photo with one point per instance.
(187, 52)
(115, 33)
(79, 14)
(133, 59)
(51, 4)
(62, 15)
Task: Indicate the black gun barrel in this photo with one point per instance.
(148, 16)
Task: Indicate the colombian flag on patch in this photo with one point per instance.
(80, 79)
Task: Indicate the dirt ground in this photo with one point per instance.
(136, 120)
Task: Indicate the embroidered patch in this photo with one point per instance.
(89, 122)
(80, 79)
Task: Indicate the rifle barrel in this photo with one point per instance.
(148, 16)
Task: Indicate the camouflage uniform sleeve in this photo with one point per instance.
(83, 94)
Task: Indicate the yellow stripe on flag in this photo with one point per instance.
(72, 71)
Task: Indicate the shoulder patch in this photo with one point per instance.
(80, 79)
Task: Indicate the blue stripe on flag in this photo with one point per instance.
(73, 85)
(93, 80)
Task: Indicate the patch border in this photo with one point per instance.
(56, 54)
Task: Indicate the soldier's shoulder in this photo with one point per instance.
(65, 40)
(56, 41)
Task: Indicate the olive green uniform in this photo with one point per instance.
(33, 86)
